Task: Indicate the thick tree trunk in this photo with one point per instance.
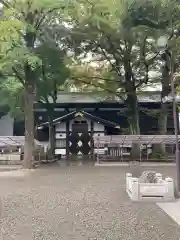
(29, 128)
(131, 100)
(132, 103)
(162, 121)
(133, 119)
(159, 150)
(29, 85)
(51, 150)
(133, 113)
(162, 125)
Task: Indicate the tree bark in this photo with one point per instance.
(162, 121)
(29, 128)
(29, 85)
(133, 119)
(51, 150)
(132, 104)
(159, 150)
(133, 113)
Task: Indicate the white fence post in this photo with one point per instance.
(97, 156)
(170, 189)
(135, 189)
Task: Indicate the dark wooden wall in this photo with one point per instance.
(148, 121)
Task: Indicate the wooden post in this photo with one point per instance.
(169, 189)
(98, 160)
(67, 143)
(135, 189)
(92, 141)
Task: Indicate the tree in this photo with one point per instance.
(53, 74)
(11, 97)
(20, 27)
(163, 18)
(105, 29)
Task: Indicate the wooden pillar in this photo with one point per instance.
(67, 142)
(178, 120)
(92, 142)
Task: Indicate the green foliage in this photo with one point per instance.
(121, 37)
(106, 30)
(11, 95)
(53, 73)
(22, 24)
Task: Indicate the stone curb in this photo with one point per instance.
(171, 209)
(141, 164)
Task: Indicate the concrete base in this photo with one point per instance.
(162, 190)
(172, 209)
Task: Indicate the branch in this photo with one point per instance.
(18, 76)
(43, 73)
(109, 60)
(130, 79)
(150, 23)
(5, 3)
(54, 91)
(172, 32)
(145, 80)
(101, 78)
(146, 64)
(102, 87)
(41, 102)
(53, 96)
(112, 47)
(41, 19)
(44, 100)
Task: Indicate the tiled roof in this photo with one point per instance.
(93, 97)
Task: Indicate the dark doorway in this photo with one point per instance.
(79, 139)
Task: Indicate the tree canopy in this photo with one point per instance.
(117, 46)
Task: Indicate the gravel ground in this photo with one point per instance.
(79, 203)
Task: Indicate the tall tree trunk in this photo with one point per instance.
(29, 127)
(159, 150)
(162, 124)
(133, 113)
(162, 121)
(132, 104)
(51, 150)
(29, 85)
(133, 119)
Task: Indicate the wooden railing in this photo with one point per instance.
(118, 147)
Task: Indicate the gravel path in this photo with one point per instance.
(78, 203)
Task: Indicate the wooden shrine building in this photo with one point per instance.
(78, 117)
